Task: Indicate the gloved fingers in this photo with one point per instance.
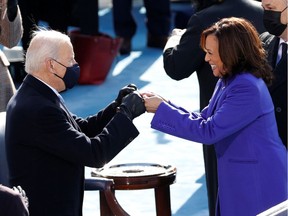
(127, 90)
(131, 85)
(134, 103)
(124, 92)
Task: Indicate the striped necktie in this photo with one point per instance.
(284, 53)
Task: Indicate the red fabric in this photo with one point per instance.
(95, 55)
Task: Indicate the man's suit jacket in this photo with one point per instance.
(48, 147)
(240, 120)
(279, 88)
(10, 35)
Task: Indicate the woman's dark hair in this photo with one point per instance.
(240, 48)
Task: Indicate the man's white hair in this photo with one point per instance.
(45, 43)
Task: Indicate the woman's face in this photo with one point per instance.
(212, 56)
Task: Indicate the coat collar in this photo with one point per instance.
(41, 87)
(271, 43)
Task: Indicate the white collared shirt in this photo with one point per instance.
(54, 90)
(279, 55)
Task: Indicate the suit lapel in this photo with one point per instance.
(271, 44)
(69, 116)
(280, 70)
(50, 95)
(215, 97)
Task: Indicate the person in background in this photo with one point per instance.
(58, 15)
(158, 23)
(10, 35)
(13, 201)
(48, 146)
(78, 13)
(182, 56)
(239, 120)
(275, 42)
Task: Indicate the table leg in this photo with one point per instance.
(162, 198)
(104, 207)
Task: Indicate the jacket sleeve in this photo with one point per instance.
(93, 125)
(240, 107)
(185, 58)
(56, 135)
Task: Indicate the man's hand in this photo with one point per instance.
(123, 92)
(132, 105)
(174, 38)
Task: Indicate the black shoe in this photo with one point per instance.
(125, 48)
(156, 41)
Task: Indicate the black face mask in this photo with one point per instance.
(71, 76)
(272, 22)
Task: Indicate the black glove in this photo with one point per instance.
(123, 92)
(12, 9)
(132, 105)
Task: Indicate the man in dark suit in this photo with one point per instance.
(275, 42)
(183, 56)
(158, 22)
(59, 15)
(47, 146)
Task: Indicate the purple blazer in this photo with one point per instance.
(240, 122)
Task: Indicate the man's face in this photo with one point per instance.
(279, 8)
(59, 66)
(277, 5)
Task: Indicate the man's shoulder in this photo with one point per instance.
(267, 37)
(240, 8)
(268, 40)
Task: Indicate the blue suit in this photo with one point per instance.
(240, 122)
(48, 147)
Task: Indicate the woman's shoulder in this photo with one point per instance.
(247, 79)
(247, 76)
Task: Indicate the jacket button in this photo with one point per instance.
(278, 109)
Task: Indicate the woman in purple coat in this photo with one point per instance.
(239, 121)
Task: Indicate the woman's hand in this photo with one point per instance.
(152, 101)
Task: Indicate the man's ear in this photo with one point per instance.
(49, 64)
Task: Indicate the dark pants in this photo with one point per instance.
(59, 15)
(210, 162)
(157, 13)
